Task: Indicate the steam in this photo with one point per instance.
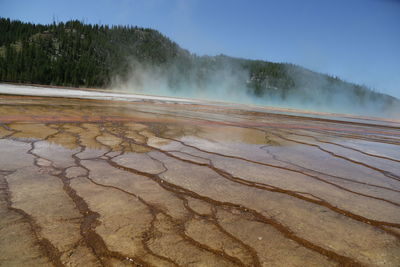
(225, 79)
(225, 82)
(330, 94)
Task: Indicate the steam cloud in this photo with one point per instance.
(223, 83)
(226, 80)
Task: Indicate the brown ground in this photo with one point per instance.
(95, 183)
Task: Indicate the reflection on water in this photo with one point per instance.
(91, 183)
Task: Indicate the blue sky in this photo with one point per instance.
(357, 40)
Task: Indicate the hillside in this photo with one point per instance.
(85, 55)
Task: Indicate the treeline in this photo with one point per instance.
(75, 54)
(92, 55)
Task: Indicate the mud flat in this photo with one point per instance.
(157, 183)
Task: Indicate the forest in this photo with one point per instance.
(90, 55)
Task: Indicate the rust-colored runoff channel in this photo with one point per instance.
(95, 183)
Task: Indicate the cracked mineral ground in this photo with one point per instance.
(156, 183)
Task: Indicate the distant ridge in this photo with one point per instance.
(91, 55)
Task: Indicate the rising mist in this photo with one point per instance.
(223, 78)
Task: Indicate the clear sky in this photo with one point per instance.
(357, 40)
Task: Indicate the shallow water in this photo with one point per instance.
(108, 183)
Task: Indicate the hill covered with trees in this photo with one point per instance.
(86, 55)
